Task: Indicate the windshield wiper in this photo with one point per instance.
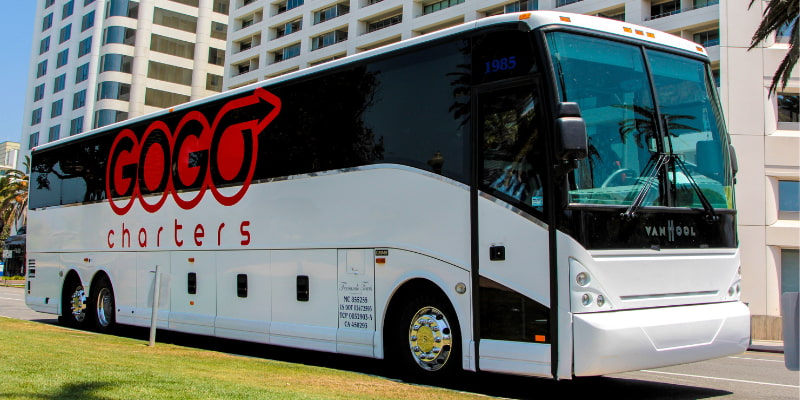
(650, 174)
(711, 216)
(653, 169)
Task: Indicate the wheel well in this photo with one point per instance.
(99, 275)
(405, 291)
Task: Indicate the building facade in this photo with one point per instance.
(9, 155)
(270, 38)
(96, 62)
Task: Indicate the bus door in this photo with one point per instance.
(512, 237)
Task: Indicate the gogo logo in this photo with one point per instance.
(195, 157)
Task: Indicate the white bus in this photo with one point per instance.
(543, 194)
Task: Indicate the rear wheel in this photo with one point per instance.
(102, 305)
(74, 304)
(424, 339)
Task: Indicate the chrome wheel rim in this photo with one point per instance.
(78, 304)
(430, 338)
(105, 307)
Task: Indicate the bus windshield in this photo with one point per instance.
(654, 125)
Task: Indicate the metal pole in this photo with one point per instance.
(154, 314)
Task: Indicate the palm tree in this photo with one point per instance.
(779, 14)
(14, 198)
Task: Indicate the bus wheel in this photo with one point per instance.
(102, 305)
(426, 339)
(73, 305)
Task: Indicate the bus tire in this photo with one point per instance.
(102, 305)
(74, 304)
(424, 340)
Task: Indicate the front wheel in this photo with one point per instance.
(74, 304)
(425, 339)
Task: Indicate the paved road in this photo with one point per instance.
(748, 376)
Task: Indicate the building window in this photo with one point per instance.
(84, 47)
(440, 5)
(169, 73)
(41, 69)
(216, 56)
(288, 5)
(119, 34)
(56, 108)
(175, 20)
(116, 62)
(108, 117)
(289, 27)
(221, 6)
(790, 270)
(525, 5)
(59, 83)
(48, 3)
(784, 33)
(33, 140)
(287, 52)
(214, 82)
(665, 9)
(38, 92)
(87, 2)
(704, 3)
(76, 126)
(122, 8)
(82, 73)
(246, 66)
(219, 31)
(36, 116)
(66, 33)
(162, 99)
(333, 12)
(788, 108)
(114, 91)
(62, 58)
(560, 3)
(55, 133)
(44, 45)
(328, 39)
(707, 38)
(175, 47)
(79, 99)
(789, 199)
(68, 9)
(47, 22)
(87, 21)
(384, 23)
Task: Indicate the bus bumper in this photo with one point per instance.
(610, 342)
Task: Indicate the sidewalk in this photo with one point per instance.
(766, 346)
(4, 282)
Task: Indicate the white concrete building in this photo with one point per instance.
(95, 62)
(9, 155)
(272, 37)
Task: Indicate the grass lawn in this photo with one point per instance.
(40, 361)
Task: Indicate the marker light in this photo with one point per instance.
(524, 16)
(565, 19)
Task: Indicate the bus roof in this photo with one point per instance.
(534, 19)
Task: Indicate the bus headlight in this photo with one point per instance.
(582, 279)
(586, 299)
(601, 300)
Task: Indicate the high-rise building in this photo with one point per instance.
(267, 38)
(9, 155)
(96, 62)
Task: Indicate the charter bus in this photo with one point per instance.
(543, 194)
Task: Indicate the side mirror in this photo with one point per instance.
(734, 160)
(571, 139)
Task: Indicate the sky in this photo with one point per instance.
(16, 30)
